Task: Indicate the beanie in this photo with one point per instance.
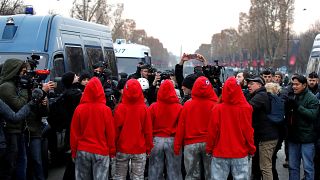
(189, 81)
(67, 79)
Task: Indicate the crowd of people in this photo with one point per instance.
(159, 125)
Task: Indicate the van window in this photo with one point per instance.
(111, 59)
(75, 59)
(94, 55)
(58, 67)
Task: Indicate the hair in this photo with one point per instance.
(273, 88)
(313, 75)
(266, 72)
(279, 73)
(300, 78)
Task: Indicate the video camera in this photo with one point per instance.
(33, 78)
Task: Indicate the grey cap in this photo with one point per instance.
(256, 79)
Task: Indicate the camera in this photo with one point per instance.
(192, 56)
(33, 77)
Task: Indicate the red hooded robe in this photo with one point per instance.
(230, 128)
(132, 121)
(165, 112)
(92, 128)
(194, 118)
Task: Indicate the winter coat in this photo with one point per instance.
(71, 99)
(264, 129)
(12, 95)
(132, 121)
(7, 115)
(194, 117)
(301, 125)
(92, 128)
(165, 112)
(230, 128)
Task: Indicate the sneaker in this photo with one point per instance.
(286, 164)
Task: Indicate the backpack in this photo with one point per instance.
(276, 114)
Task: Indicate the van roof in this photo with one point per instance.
(33, 28)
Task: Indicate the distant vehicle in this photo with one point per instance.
(129, 55)
(314, 59)
(63, 44)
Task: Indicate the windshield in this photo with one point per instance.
(313, 65)
(23, 56)
(128, 65)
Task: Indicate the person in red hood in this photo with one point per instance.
(164, 115)
(192, 129)
(92, 133)
(133, 132)
(230, 138)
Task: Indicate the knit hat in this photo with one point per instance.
(67, 79)
(189, 81)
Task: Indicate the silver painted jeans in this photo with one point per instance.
(194, 154)
(137, 166)
(220, 168)
(162, 154)
(91, 166)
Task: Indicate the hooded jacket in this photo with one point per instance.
(230, 128)
(13, 96)
(132, 121)
(194, 117)
(92, 128)
(165, 112)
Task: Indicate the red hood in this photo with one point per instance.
(93, 92)
(202, 88)
(232, 93)
(167, 93)
(132, 93)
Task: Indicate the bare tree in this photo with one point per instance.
(92, 10)
(11, 7)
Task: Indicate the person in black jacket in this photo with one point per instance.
(265, 133)
(72, 96)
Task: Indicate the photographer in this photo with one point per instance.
(101, 71)
(15, 97)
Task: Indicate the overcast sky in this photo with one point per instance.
(188, 23)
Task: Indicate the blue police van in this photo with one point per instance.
(63, 44)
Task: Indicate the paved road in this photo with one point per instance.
(57, 173)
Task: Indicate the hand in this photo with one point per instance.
(74, 160)
(184, 58)
(48, 86)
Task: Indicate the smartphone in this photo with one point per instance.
(192, 56)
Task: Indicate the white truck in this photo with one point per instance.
(129, 55)
(314, 59)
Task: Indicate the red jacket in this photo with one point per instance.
(92, 128)
(165, 112)
(194, 117)
(132, 121)
(230, 129)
